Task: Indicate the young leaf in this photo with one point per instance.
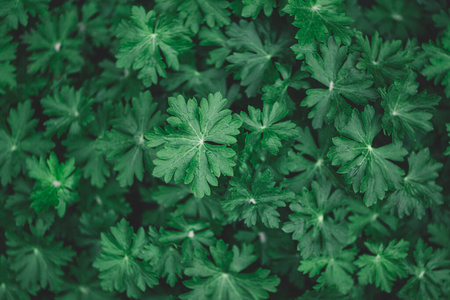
(69, 109)
(385, 265)
(418, 190)
(369, 169)
(118, 263)
(195, 143)
(125, 145)
(222, 279)
(385, 61)
(312, 223)
(405, 110)
(253, 197)
(265, 126)
(55, 183)
(431, 269)
(336, 70)
(439, 61)
(144, 38)
(318, 18)
(20, 141)
(338, 270)
(37, 259)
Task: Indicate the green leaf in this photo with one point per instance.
(431, 269)
(369, 169)
(442, 19)
(301, 50)
(19, 204)
(115, 83)
(37, 259)
(205, 209)
(278, 92)
(124, 145)
(95, 25)
(405, 110)
(119, 264)
(143, 41)
(319, 18)
(439, 61)
(335, 69)
(189, 79)
(196, 12)
(82, 148)
(385, 61)
(310, 162)
(313, 224)
(374, 221)
(195, 143)
(222, 279)
(55, 183)
(396, 19)
(256, 197)
(440, 234)
(164, 257)
(15, 12)
(215, 37)
(265, 126)
(10, 289)
(385, 265)
(189, 235)
(7, 55)
(256, 48)
(69, 109)
(419, 189)
(84, 284)
(252, 8)
(20, 141)
(447, 151)
(338, 270)
(54, 45)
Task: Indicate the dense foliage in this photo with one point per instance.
(224, 149)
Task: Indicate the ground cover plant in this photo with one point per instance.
(224, 149)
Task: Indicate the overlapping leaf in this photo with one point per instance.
(119, 264)
(195, 143)
(370, 170)
(145, 39)
(335, 68)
